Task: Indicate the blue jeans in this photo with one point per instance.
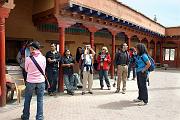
(30, 88)
(142, 86)
(69, 82)
(104, 73)
(52, 75)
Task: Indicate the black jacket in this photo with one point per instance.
(52, 56)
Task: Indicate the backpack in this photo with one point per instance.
(153, 66)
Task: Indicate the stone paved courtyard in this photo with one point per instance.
(164, 102)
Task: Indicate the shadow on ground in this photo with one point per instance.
(117, 105)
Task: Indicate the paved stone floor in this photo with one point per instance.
(164, 102)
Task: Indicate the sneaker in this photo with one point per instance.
(71, 93)
(117, 91)
(109, 88)
(51, 94)
(137, 100)
(142, 103)
(23, 118)
(123, 92)
(83, 93)
(90, 92)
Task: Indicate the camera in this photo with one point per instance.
(88, 46)
(103, 57)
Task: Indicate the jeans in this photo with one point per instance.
(142, 86)
(52, 75)
(129, 70)
(30, 88)
(69, 82)
(104, 73)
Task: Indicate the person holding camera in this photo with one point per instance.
(87, 68)
(104, 61)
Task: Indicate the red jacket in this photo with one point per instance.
(106, 63)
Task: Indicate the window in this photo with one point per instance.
(169, 54)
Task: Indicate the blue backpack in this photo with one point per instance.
(153, 66)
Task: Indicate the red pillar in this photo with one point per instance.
(148, 46)
(129, 42)
(92, 39)
(178, 57)
(155, 51)
(161, 53)
(62, 23)
(113, 55)
(61, 50)
(2, 63)
(92, 30)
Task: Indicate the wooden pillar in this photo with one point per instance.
(148, 46)
(155, 51)
(161, 53)
(2, 63)
(62, 24)
(92, 39)
(61, 50)
(92, 30)
(113, 54)
(129, 42)
(178, 59)
(5, 8)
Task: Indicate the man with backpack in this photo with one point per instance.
(122, 60)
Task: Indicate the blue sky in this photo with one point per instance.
(167, 11)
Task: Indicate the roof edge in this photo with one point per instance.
(137, 12)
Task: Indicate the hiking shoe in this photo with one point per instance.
(137, 100)
(142, 103)
(117, 91)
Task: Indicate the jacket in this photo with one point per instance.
(105, 63)
(33, 74)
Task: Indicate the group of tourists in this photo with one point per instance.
(36, 67)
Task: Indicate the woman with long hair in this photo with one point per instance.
(142, 65)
